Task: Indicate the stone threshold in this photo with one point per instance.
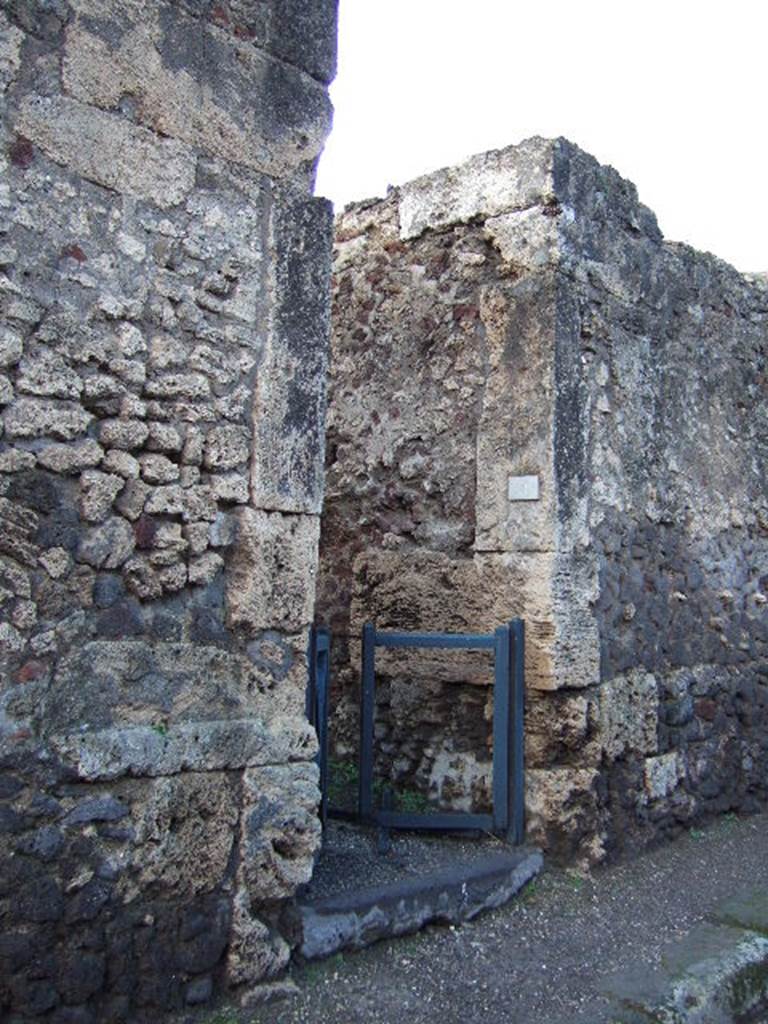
(716, 974)
(358, 918)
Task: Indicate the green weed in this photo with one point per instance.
(223, 1017)
(575, 880)
(411, 801)
(343, 779)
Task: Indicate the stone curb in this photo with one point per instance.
(357, 919)
(717, 974)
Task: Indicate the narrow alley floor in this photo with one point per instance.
(545, 957)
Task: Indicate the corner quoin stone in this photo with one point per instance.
(272, 570)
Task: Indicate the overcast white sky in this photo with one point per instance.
(673, 93)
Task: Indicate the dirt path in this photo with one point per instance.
(543, 958)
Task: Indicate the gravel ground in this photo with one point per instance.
(542, 958)
(350, 858)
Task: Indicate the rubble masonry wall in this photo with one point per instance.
(163, 283)
(521, 315)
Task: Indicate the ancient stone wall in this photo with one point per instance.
(521, 316)
(163, 282)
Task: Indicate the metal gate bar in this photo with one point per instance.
(316, 708)
(507, 644)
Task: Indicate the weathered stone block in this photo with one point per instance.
(32, 417)
(108, 545)
(146, 751)
(226, 447)
(629, 714)
(11, 347)
(203, 569)
(105, 149)
(70, 458)
(271, 572)
(229, 487)
(116, 461)
(562, 812)
(662, 774)
(123, 434)
(47, 374)
(289, 402)
(305, 38)
(280, 829)
(97, 493)
(11, 39)
(184, 832)
(157, 469)
(192, 82)
(256, 952)
(491, 183)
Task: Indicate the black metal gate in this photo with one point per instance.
(507, 644)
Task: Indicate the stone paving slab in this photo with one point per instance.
(745, 911)
(716, 974)
(357, 918)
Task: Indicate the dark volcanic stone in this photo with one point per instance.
(207, 628)
(18, 949)
(9, 786)
(204, 950)
(81, 975)
(87, 903)
(44, 843)
(43, 806)
(32, 996)
(73, 1015)
(10, 820)
(40, 900)
(199, 991)
(100, 808)
(107, 589)
(165, 627)
(121, 619)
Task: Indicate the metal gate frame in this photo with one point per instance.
(508, 646)
(316, 706)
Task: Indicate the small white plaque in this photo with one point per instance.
(523, 488)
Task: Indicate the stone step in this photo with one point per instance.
(717, 974)
(458, 893)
